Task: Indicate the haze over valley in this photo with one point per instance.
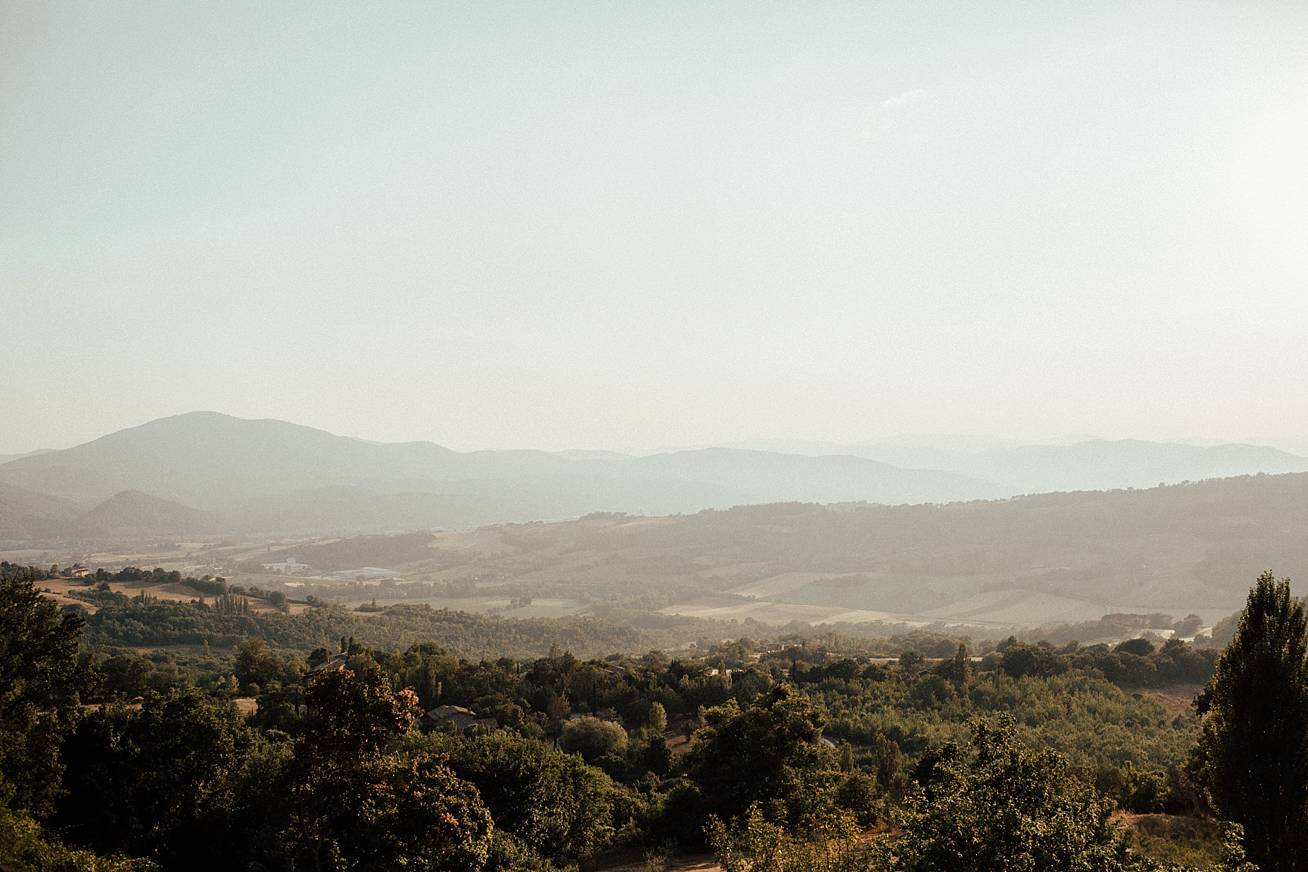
(726, 532)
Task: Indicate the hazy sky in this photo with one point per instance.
(618, 224)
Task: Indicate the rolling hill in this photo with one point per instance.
(27, 515)
(1097, 464)
(275, 476)
(1021, 561)
(132, 513)
(226, 474)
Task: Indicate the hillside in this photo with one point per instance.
(134, 513)
(5, 458)
(27, 515)
(1017, 562)
(267, 477)
(275, 476)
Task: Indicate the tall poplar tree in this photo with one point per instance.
(1252, 756)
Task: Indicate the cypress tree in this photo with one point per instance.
(1252, 756)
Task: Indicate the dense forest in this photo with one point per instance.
(285, 753)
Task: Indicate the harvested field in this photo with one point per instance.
(769, 612)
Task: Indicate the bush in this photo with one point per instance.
(593, 738)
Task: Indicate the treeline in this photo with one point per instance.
(1067, 698)
(1134, 663)
(17, 572)
(620, 715)
(122, 622)
(777, 756)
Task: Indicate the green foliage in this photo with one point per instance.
(23, 846)
(593, 738)
(997, 805)
(38, 688)
(354, 710)
(768, 752)
(508, 853)
(994, 805)
(390, 812)
(1252, 756)
(755, 844)
(1191, 842)
(1019, 661)
(207, 585)
(161, 782)
(355, 805)
(894, 719)
(658, 716)
(549, 800)
(257, 668)
(332, 773)
(655, 756)
(230, 619)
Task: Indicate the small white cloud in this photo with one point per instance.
(906, 100)
(897, 117)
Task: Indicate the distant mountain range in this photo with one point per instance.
(205, 471)
(279, 477)
(5, 458)
(27, 516)
(1094, 464)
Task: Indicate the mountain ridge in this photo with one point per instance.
(274, 476)
(222, 464)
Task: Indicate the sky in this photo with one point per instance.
(617, 224)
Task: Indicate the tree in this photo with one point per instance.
(770, 752)
(994, 805)
(658, 717)
(656, 756)
(38, 688)
(997, 805)
(1252, 755)
(391, 812)
(593, 738)
(958, 668)
(755, 844)
(910, 661)
(159, 782)
(355, 711)
(254, 664)
(1138, 647)
(356, 805)
(551, 801)
(1020, 661)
